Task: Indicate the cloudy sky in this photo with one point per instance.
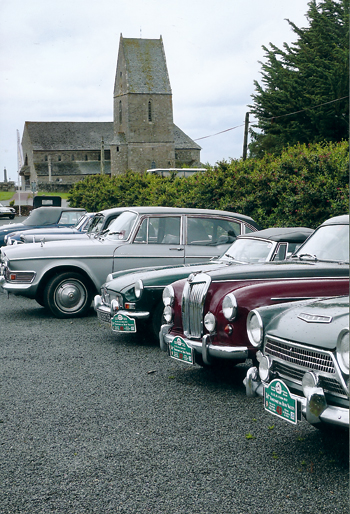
(58, 61)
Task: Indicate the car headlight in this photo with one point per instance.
(168, 296)
(209, 321)
(229, 307)
(138, 288)
(343, 350)
(255, 328)
(168, 313)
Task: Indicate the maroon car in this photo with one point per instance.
(206, 313)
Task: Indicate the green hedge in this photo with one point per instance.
(302, 187)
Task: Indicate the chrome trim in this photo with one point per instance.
(192, 306)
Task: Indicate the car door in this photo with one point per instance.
(209, 236)
(157, 241)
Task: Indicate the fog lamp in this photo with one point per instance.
(309, 383)
(264, 368)
(209, 321)
(168, 313)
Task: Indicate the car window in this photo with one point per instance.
(69, 217)
(281, 252)
(249, 250)
(211, 231)
(329, 242)
(120, 229)
(159, 230)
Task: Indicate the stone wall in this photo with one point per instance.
(7, 186)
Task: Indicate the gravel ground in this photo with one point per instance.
(94, 422)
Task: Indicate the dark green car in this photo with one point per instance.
(131, 301)
(303, 360)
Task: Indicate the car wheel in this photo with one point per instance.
(12, 217)
(67, 295)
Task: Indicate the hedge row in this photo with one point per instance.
(303, 186)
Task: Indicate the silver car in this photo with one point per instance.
(7, 212)
(64, 276)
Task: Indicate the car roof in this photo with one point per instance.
(282, 234)
(178, 210)
(337, 220)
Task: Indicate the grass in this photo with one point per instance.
(7, 195)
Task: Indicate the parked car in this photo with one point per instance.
(134, 298)
(7, 212)
(303, 360)
(206, 313)
(43, 217)
(97, 223)
(64, 276)
(51, 233)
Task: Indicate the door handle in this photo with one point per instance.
(177, 249)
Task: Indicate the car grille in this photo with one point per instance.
(193, 299)
(291, 361)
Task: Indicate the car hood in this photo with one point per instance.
(279, 270)
(316, 323)
(11, 227)
(161, 275)
(58, 249)
(43, 231)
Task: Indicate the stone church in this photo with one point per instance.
(141, 136)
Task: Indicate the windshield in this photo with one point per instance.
(121, 228)
(249, 250)
(83, 222)
(328, 243)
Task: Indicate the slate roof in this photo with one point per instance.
(145, 66)
(69, 135)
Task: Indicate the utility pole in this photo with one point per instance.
(19, 165)
(102, 157)
(245, 143)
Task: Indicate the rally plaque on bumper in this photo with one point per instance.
(180, 350)
(279, 401)
(122, 323)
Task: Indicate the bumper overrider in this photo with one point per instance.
(314, 407)
(205, 347)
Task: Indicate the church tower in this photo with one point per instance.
(143, 111)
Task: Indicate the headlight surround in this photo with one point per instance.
(229, 307)
(255, 328)
(168, 296)
(138, 288)
(210, 321)
(343, 350)
(168, 313)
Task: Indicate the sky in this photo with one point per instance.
(58, 61)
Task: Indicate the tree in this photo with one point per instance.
(304, 95)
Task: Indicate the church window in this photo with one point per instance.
(86, 157)
(72, 157)
(59, 158)
(117, 148)
(45, 157)
(120, 111)
(149, 110)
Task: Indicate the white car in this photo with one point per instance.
(7, 212)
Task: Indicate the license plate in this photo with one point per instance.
(279, 401)
(122, 323)
(180, 350)
(103, 316)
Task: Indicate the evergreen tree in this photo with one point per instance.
(304, 96)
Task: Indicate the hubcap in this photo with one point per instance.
(70, 296)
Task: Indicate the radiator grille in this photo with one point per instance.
(193, 299)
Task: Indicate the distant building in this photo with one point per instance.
(141, 136)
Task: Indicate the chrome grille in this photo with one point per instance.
(193, 299)
(291, 361)
(301, 356)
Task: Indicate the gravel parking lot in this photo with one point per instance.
(94, 422)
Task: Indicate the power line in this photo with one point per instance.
(274, 117)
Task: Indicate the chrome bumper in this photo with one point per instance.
(104, 312)
(314, 408)
(205, 348)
